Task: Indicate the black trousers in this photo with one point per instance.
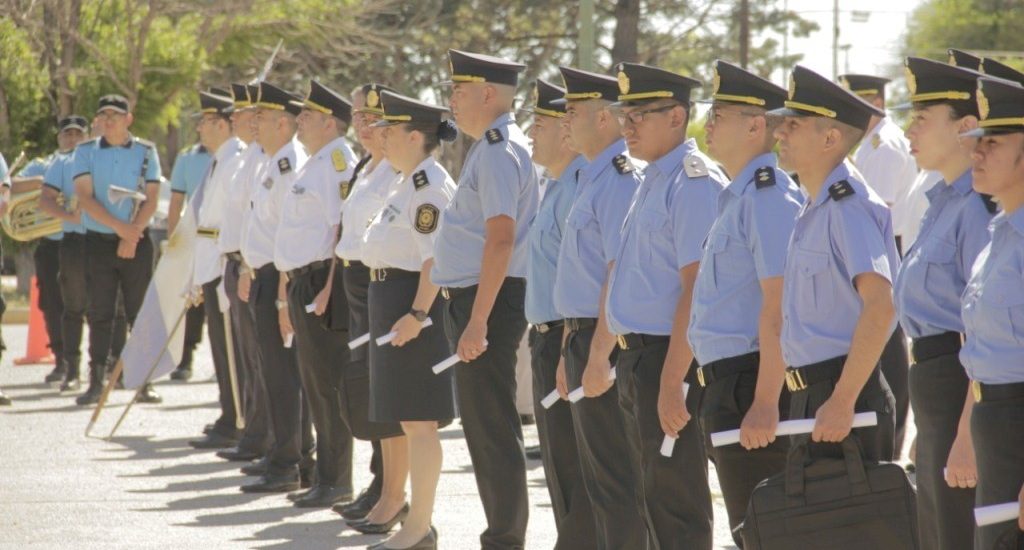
(600, 432)
(225, 424)
(725, 402)
(245, 343)
(486, 392)
(47, 260)
(322, 356)
(273, 391)
(106, 276)
(574, 518)
(895, 367)
(945, 516)
(876, 442)
(996, 428)
(195, 317)
(356, 279)
(674, 489)
(75, 295)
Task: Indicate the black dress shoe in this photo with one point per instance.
(299, 494)
(209, 428)
(4, 400)
(149, 395)
(257, 468)
(324, 496)
(359, 507)
(273, 484)
(57, 374)
(533, 452)
(70, 384)
(235, 454)
(367, 528)
(214, 440)
(182, 374)
(428, 542)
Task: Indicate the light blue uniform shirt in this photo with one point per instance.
(189, 170)
(58, 177)
(746, 244)
(544, 239)
(37, 168)
(938, 265)
(833, 242)
(130, 166)
(670, 216)
(993, 306)
(603, 193)
(4, 176)
(497, 179)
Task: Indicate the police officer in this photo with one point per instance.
(480, 261)
(563, 472)
(736, 351)
(605, 186)
(363, 198)
(5, 197)
(837, 285)
(398, 246)
(187, 174)
(307, 201)
(117, 239)
(927, 293)
(993, 310)
(58, 186)
(649, 295)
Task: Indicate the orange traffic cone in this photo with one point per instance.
(38, 351)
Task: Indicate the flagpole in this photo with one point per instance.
(232, 370)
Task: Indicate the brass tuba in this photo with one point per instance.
(25, 221)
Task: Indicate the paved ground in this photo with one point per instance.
(146, 488)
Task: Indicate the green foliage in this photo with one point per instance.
(967, 24)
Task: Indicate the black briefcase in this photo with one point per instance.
(832, 503)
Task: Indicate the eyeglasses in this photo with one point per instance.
(637, 117)
(714, 114)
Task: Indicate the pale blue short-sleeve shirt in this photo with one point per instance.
(132, 166)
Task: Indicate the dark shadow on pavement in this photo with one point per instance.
(322, 534)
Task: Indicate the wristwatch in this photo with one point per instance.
(418, 314)
(281, 304)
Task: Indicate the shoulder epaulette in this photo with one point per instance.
(338, 160)
(145, 143)
(695, 166)
(622, 164)
(419, 180)
(764, 177)
(494, 136)
(840, 190)
(284, 165)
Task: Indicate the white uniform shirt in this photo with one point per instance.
(364, 201)
(273, 179)
(209, 261)
(403, 232)
(915, 204)
(888, 168)
(237, 190)
(311, 209)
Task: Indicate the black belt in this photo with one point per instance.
(579, 323)
(544, 328)
(385, 273)
(723, 368)
(803, 377)
(71, 236)
(450, 292)
(300, 271)
(111, 237)
(996, 392)
(635, 341)
(930, 347)
(236, 256)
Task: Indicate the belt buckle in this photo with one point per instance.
(621, 339)
(976, 390)
(445, 294)
(345, 263)
(542, 328)
(700, 377)
(382, 275)
(795, 380)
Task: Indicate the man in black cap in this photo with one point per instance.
(650, 290)
(117, 240)
(837, 305)
(480, 263)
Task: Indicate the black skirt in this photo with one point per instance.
(402, 385)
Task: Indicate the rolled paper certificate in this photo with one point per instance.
(387, 338)
(550, 399)
(792, 427)
(288, 340)
(446, 364)
(669, 443)
(359, 341)
(310, 308)
(577, 394)
(996, 513)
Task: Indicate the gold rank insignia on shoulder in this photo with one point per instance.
(695, 167)
(494, 136)
(764, 177)
(840, 190)
(419, 180)
(338, 160)
(268, 183)
(426, 218)
(876, 140)
(345, 189)
(284, 165)
(622, 164)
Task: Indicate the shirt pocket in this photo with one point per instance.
(940, 267)
(578, 222)
(726, 256)
(1002, 316)
(655, 243)
(547, 224)
(816, 289)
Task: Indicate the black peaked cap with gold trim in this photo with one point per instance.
(400, 109)
(991, 67)
(811, 94)
(931, 81)
(864, 85)
(960, 58)
(371, 98)
(478, 67)
(214, 104)
(325, 100)
(547, 99)
(274, 98)
(639, 84)
(1001, 105)
(732, 84)
(581, 85)
(240, 94)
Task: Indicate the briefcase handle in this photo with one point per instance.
(799, 459)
